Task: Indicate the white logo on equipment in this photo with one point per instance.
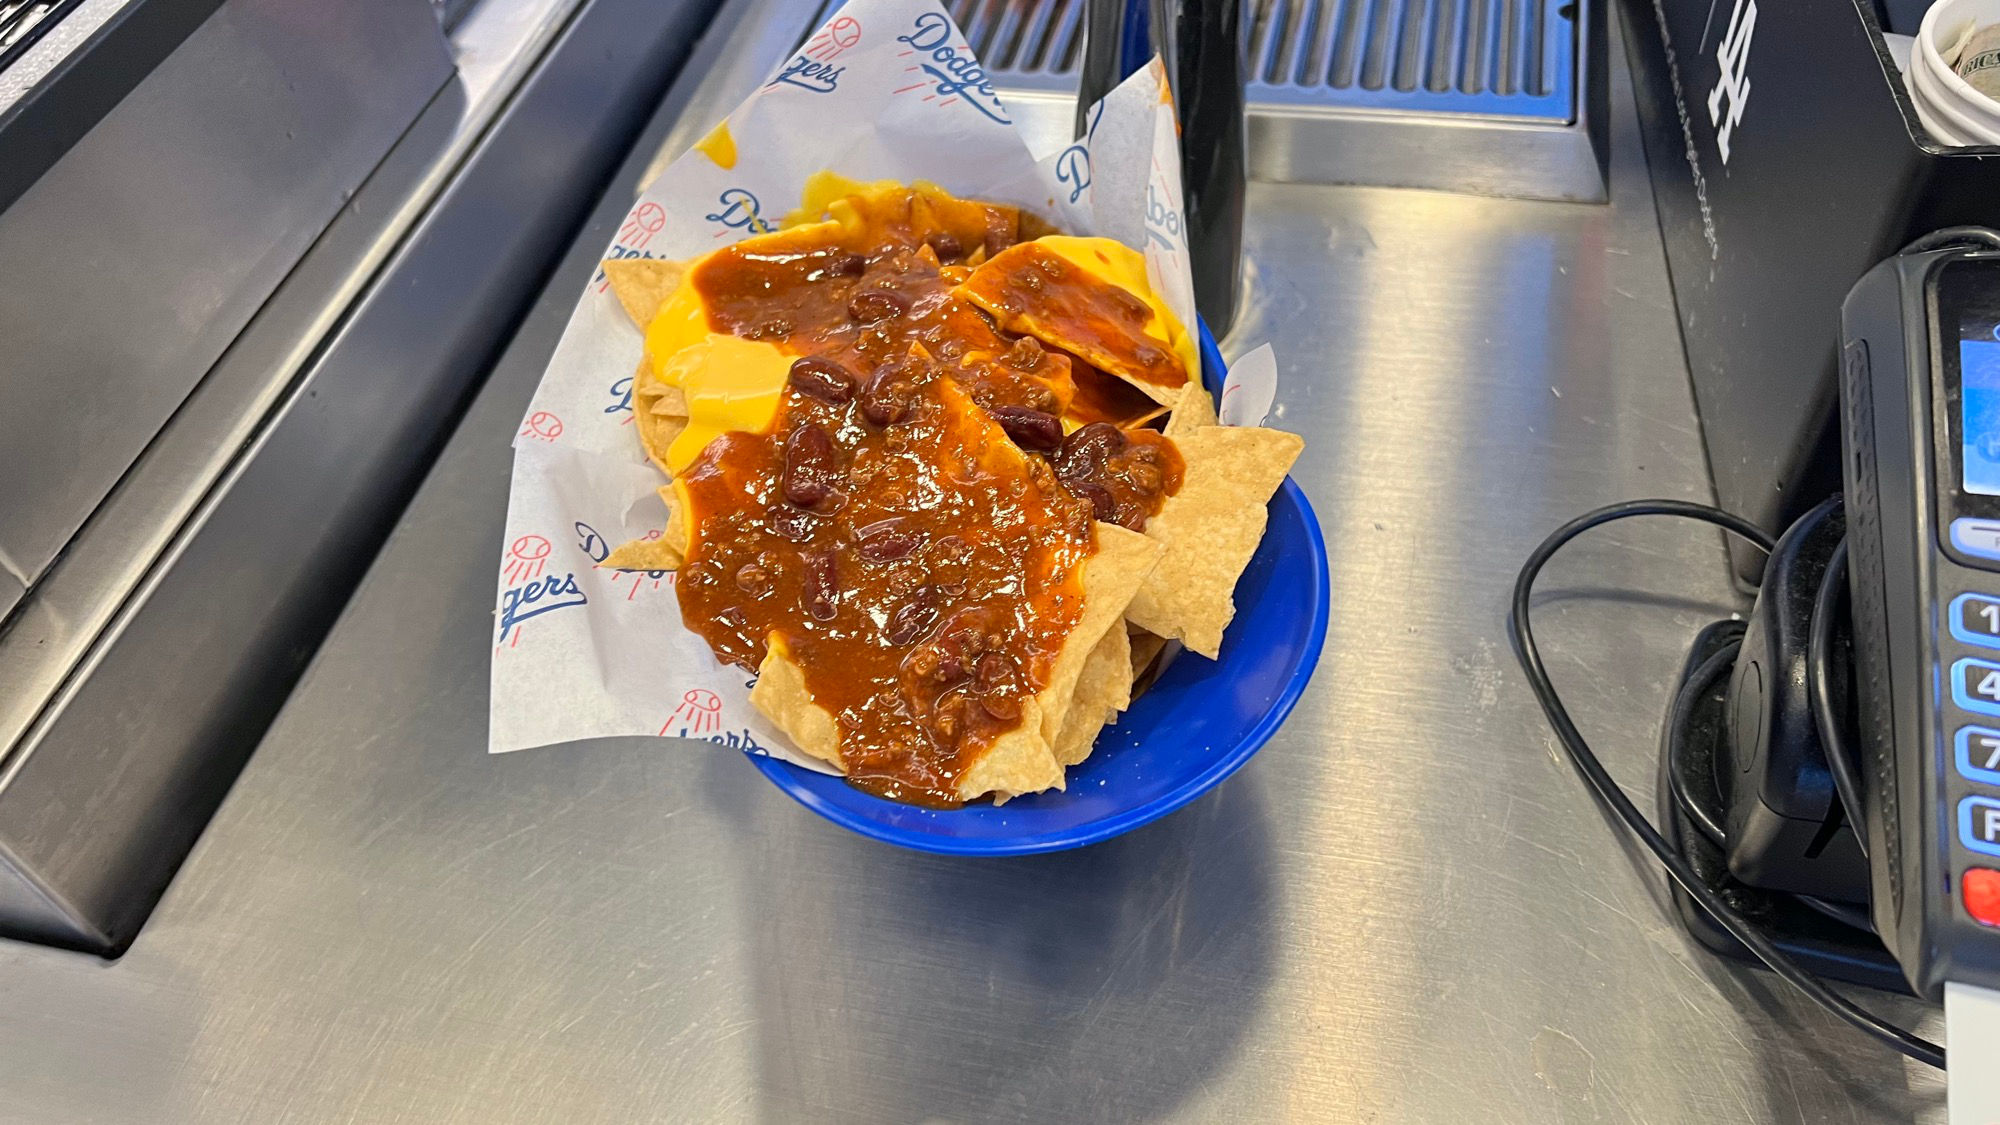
(1732, 55)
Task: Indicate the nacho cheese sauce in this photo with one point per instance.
(918, 568)
(914, 524)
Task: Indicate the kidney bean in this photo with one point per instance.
(871, 305)
(823, 379)
(1103, 506)
(946, 247)
(889, 395)
(845, 265)
(1084, 452)
(810, 472)
(1030, 429)
(994, 680)
(911, 620)
(1000, 234)
(886, 541)
(821, 588)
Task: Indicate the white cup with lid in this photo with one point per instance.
(1949, 108)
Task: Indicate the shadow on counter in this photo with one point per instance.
(1108, 982)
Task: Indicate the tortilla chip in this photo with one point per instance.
(1210, 528)
(644, 554)
(642, 285)
(1023, 760)
(659, 413)
(657, 433)
(1102, 691)
(780, 693)
(1110, 579)
(1089, 297)
(1018, 762)
(1193, 410)
(1146, 648)
(668, 401)
(665, 552)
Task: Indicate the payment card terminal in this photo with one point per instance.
(1920, 410)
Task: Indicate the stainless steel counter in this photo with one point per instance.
(1405, 909)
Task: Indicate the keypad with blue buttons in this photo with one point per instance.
(1973, 619)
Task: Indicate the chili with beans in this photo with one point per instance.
(915, 523)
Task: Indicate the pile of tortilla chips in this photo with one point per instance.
(1142, 590)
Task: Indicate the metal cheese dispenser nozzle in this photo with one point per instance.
(1201, 43)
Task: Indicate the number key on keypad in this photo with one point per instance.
(1975, 619)
(1979, 754)
(1979, 824)
(1975, 685)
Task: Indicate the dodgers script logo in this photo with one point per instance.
(953, 73)
(621, 400)
(812, 68)
(810, 74)
(1163, 223)
(740, 210)
(531, 593)
(1073, 163)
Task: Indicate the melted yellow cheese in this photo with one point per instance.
(1114, 262)
(680, 322)
(719, 146)
(827, 193)
(682, 319)
(730, 384)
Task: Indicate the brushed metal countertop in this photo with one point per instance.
(1404, 910)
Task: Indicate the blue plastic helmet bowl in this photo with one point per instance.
(1198, 723)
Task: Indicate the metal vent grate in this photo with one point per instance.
(1483, 96)
(24, 21)
(1501, 58)
(1476, 47)
(1023, 37)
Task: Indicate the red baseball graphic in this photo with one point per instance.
(543, 426)
(834, 38)
(700, 712)
(525, 559)
(641, 225)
